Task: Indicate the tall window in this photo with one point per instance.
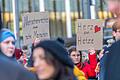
(56, 10)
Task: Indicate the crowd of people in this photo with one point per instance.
(52, 60)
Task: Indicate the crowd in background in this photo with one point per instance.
(52, 60)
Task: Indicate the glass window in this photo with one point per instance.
(74, 6)
(23, 6)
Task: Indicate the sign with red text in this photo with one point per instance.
(35, 25)
(89, 34)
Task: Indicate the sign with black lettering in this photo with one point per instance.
(35, 25)
(89, 34)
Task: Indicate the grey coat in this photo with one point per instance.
(13, 71)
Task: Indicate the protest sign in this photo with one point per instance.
(35, 25)
(89, 34)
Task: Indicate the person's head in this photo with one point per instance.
(7, 42)
(114, 7)
(109, 22)
(50, 59)
(75, 55)
(116, 30)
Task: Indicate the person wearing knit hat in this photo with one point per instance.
(7, 42)
(87, 68)
(51, 61)
(8, 64)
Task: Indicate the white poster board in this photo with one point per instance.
(89, 34)
(35, 25)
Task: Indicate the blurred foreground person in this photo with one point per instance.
(51, 61)
(9, 68)
(88, 69)
(112, 63)
(114, 7)
(112, 70)
(12, 71)
(100, 69)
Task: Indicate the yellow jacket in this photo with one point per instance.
(79, 74)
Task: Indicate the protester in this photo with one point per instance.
(112, 70)
(112, 57)
(51, 61)
(11, 71)
(7, 44)
(9, 68)
(88, 69)
(78, 73)
(100, 68)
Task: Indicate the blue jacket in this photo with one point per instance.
(112, 67)
(103, 63)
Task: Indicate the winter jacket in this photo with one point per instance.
(112, 64)
(89, 68)
(11, 70)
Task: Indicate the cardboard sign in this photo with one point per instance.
(35, 25)
(89, 34)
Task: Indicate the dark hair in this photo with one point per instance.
(56, 55)
(61, 71)
(73, 48)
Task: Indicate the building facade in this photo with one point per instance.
(78, 9)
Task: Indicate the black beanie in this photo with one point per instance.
(57, 50)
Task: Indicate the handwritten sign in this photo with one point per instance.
(35, 25)
(89, 34)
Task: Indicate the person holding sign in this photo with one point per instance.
(88, 69)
